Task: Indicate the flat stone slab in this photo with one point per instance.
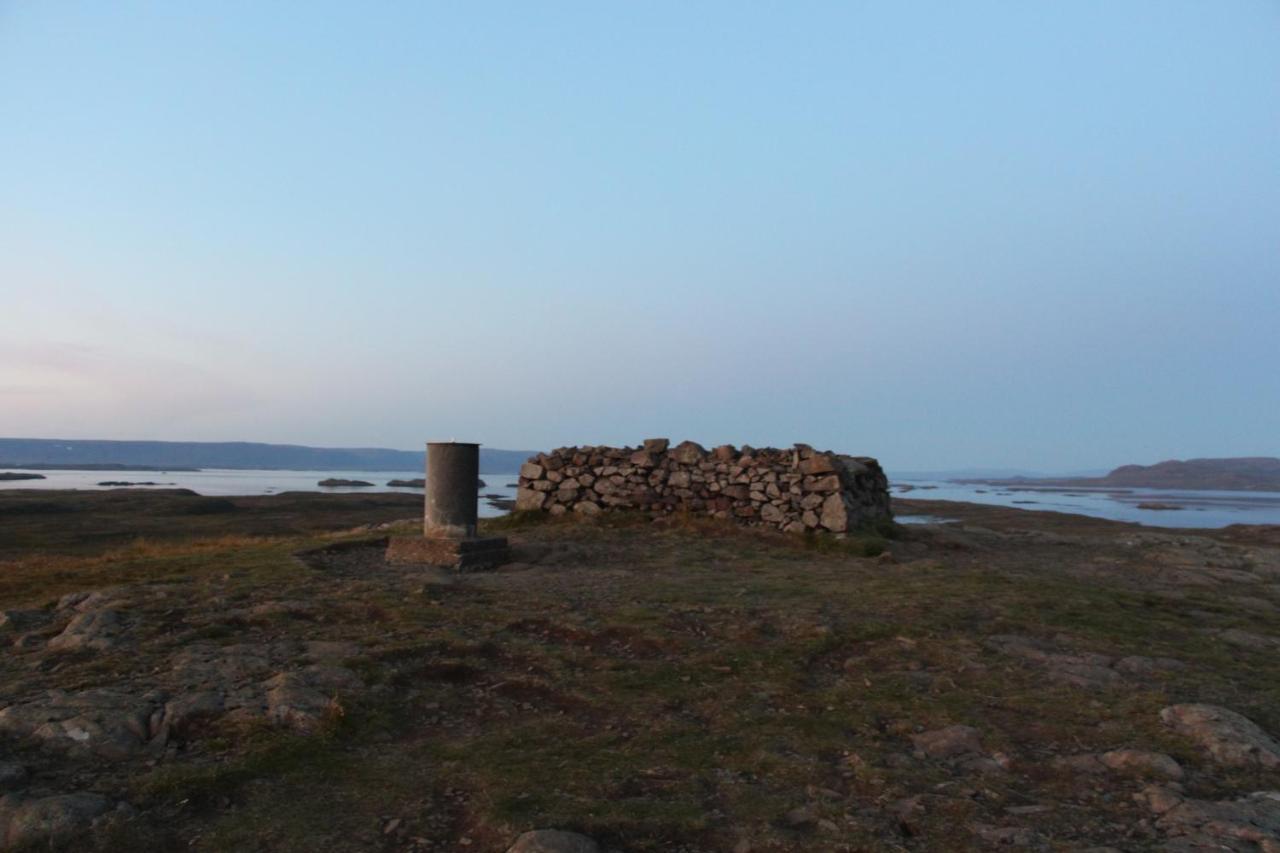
(1230, 739)
(461, 555)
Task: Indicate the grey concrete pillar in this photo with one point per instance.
(453, 471)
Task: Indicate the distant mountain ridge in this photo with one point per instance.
(958, 474)
(1244, 473)
(25, 452)
(1247, 473)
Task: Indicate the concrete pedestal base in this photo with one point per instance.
(461, 555)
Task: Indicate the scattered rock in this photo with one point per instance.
(102, 722)
(801, 817)
(1231, 739)
(1079, 669)
(203, 666)
(1005, 836)
(1139, 761)
(187, 714)
(51, 820)
(30, 641)
(86, 601)
(71, 599)
(1085, 675)
(908, 812)
(1158, 798)
(1249, 823)
(304, 700)
(1229, 575)
(1088, 764)
(1246, 640)
(1254, 604)
(553, 841)
(331, 650)
(12, 774)
(19, 621)
(95, 629)
(950, 742)
(270, 609)
(1139, 665)
(292, 703)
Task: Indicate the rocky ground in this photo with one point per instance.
(1015, 680)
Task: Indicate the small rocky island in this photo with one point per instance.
(335, 482)
(19, 475)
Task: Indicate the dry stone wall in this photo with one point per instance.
(794, 490)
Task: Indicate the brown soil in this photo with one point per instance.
(995, 683)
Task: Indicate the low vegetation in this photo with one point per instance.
(675, 686)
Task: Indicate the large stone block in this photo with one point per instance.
(818, 463)
(688, 453)
(642, 459)
(824, 483)
(835, 515)
(529, 499)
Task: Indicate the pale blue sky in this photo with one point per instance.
(1027, 234)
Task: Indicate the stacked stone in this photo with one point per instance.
(794, 490)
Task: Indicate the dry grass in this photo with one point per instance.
(39, 578)
(678, 687)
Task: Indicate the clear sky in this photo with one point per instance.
(1025, 234)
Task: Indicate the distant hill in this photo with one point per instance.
(969, 474)
(173, 455)
(1249, 473)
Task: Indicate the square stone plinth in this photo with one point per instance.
(462, 555)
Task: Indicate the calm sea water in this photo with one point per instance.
(230, 482)
(1195, 509)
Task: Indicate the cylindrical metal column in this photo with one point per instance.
(453, 472)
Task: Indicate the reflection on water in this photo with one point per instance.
(229, 482)
(1155, 507)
